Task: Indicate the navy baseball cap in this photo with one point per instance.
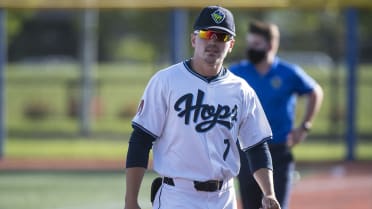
(215, 17)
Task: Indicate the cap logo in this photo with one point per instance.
(218, 16)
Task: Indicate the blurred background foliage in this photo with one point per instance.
(56, 32)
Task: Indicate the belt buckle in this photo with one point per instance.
(215, 184)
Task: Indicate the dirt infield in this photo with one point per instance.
(336, 185)
(332, 186)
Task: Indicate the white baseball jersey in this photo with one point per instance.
(196, 123)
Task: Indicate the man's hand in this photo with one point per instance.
(296, 136)
(270, 202)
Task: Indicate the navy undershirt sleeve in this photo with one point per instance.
(140, 144)
(259, 157)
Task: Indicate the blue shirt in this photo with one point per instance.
(277, 91)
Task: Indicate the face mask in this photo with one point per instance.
(256, 55)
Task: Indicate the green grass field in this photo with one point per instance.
(117, 149)
(67, 190)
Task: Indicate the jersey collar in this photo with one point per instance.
(222, 74)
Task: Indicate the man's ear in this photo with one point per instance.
(232, 43)
(273, 47)
(192, 38)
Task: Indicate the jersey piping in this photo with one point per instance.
(262, 141)
(144, 129)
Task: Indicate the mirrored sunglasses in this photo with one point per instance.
(210, 34)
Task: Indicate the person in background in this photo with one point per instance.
(277, 84)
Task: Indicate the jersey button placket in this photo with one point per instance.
(209, 134)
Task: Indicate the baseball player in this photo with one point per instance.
(276, 83)
(191, 114)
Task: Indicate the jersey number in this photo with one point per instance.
(227, 142)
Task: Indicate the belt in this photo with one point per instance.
(205, 186)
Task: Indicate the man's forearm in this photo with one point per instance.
(315, 99)
(264, 178)
(134, 178)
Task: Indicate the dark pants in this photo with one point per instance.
(283, 165)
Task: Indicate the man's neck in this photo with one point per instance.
(205, 69)
(264, 67)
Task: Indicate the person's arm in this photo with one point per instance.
(140, 144)
(314, 101)
(264, 178)
(134, 178)
(260, 163)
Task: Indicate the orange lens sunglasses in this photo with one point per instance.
(210, 34)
